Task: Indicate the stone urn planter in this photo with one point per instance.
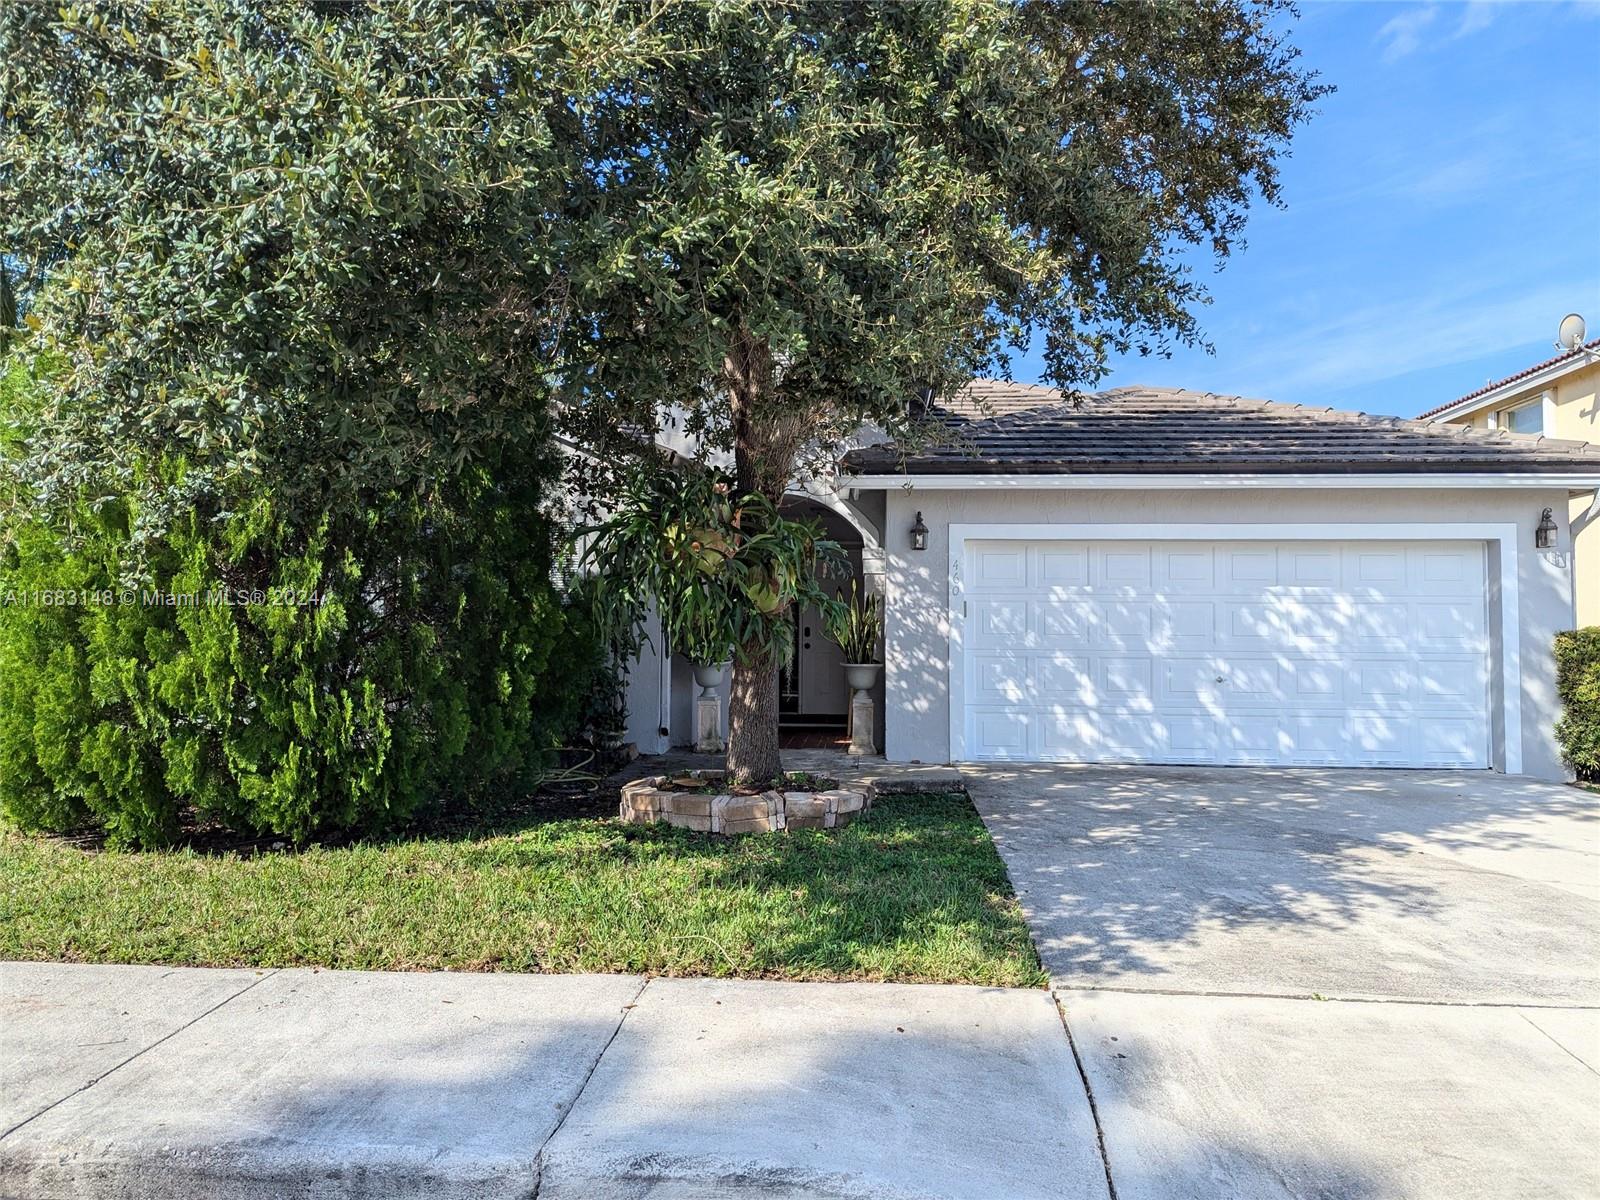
(861, 676)
(708, 676)
(695, 801)
(708, 708)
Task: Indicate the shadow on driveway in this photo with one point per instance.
(1433, 885)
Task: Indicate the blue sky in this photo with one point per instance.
(1443, 213)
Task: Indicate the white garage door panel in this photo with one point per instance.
(1315, 653)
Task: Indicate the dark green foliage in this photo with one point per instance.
(283, 681)
(724, 572)
(884, 197)
(293, 269)
(305, 244)
(1578, 682)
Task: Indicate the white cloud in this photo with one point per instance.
(1402, 35)
(1479, 15)
(1399, 335)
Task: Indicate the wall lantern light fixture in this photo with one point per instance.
(1544, 537)
(919, 535)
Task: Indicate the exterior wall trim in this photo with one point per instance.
(837, 502)
(1503, 536)
(1514, 387)
(1499, 480)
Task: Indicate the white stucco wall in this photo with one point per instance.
(649, 683)
(917, 632)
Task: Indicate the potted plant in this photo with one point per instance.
(854, 624)
(706, 638)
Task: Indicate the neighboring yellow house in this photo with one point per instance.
(1558, 398)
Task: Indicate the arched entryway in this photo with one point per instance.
(813, 701)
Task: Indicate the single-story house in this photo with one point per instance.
(1163, 576)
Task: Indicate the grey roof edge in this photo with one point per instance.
(1350, 416)
(1420, 450)
(1223, 466)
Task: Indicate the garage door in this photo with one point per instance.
(1343, 653)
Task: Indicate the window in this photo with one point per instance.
(1526, 418)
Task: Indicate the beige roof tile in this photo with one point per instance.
(1131, 430)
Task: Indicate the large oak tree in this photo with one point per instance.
(815, 212)
(331, 247)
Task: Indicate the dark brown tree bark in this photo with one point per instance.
(764, 448)
(753, 717)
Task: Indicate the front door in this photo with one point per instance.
(822, 689)
(811, 687)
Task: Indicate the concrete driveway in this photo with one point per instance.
(1320, 983)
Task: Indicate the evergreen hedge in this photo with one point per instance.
(280, 679)
(1578, 683)
(282, 682)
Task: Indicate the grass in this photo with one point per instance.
(914, 892)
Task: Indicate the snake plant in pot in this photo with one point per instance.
(855, 624)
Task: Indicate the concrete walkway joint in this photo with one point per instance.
(622, 1015)
(142, 1050)
(1088, 1091)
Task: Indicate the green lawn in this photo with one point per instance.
(913, 892)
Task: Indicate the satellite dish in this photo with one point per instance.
(1572, 332)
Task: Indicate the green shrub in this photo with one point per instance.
(1578, 683)
(279, 680)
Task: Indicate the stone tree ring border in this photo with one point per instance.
(649, 800)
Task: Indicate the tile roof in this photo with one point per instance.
(997, 397)
(1583, 351)
(1145, 430)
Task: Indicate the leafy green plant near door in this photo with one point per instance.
(855, 625)
(719, 570)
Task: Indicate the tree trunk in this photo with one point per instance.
(764, 447)
(753, 718)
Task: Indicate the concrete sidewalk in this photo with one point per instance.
(158, 1082)
(154, 1083)
(1262, 1098)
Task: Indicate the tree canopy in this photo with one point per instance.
(307, 239)
(348, 246)
(824, 209)
(317, 246)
